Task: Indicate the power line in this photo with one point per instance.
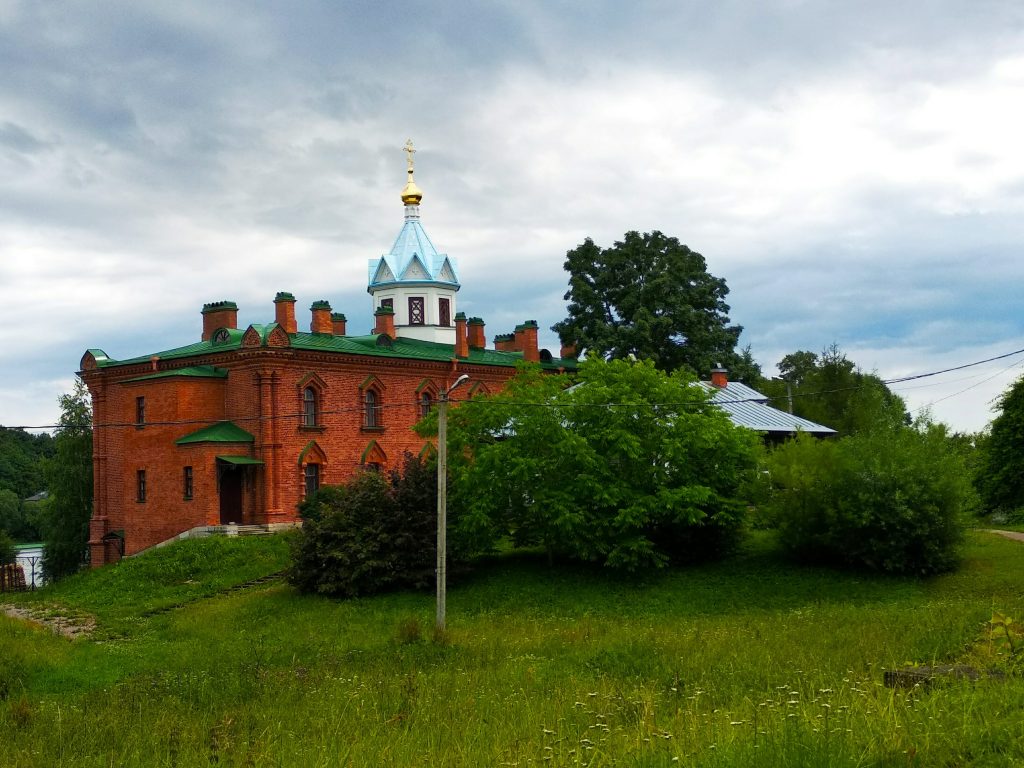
(955, 368)
(510, 403)
(967, 389)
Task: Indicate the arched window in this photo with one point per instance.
(310, 392)
(373, 459)
(311, 478)
(426, 403)
(371, 393)
(310, 415)
(371, 409)
(312, 461)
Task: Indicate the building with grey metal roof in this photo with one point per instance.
(749, 408)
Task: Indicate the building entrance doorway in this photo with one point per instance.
(231, 481)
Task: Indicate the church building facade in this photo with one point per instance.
(239, 426)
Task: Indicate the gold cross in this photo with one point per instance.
(409, 151)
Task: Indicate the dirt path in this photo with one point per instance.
(60, 625)
(1015, 535)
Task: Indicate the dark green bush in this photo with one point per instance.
(7, 552)
(374, 534)
(890, 500)
(1000, 471)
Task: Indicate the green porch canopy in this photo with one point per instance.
(245, 461)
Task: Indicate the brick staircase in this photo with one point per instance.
(12, 578)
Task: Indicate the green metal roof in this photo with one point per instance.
(239, 460)
(404, 348)
(221, 432)
(193, 372)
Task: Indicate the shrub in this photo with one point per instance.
(376, 533)
(892, 500)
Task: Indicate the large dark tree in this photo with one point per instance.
(1000, 478)
(652, 297)
(65, 521)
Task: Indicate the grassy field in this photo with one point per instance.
(750, 662)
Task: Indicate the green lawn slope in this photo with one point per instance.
(748, 662)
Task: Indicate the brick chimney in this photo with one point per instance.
(526, 341)
(219, 314)
(321, 320)
(477, 338)
(719, 376)
(461, 340)
(384, 321)
(338, 323)
(284, 312)
(568, 350)
(505, 342)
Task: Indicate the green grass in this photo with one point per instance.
(167, 577)
(749, 662)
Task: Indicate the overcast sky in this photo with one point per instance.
(855, 171)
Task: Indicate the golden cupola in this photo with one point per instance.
(411, 194)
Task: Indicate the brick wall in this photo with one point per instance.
(262, 394)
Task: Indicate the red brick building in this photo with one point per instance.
(240, 425)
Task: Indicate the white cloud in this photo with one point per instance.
(855, 174)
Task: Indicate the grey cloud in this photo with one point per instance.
(18, 139)
(209, 149)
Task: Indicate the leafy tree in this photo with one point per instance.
(7, 551)
(16, 517)
(632, 468)
(373, 534)
(651, 297)
(1000, 476)
(65, 518)
(502, 490)
(892, 499)
(829, 389)
(20, 461)
(797, 366)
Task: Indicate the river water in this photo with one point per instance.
(30, 557)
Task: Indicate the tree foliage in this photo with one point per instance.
(20, 461)
(651, 297)
(7, 551)
(892, 499)
(373, 534)
(631, 468)
(65, 516)
(829, 389)
(1000, 475)
(18, 519)
(22, 456)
